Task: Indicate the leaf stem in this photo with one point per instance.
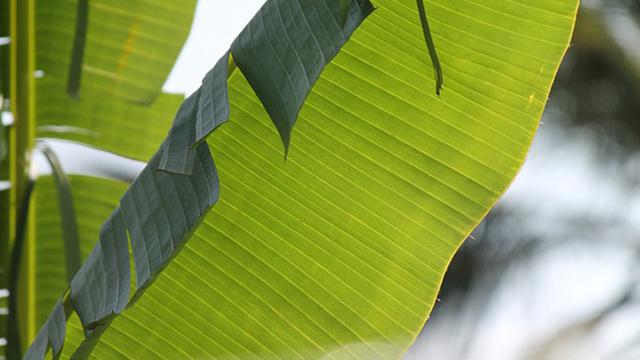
(77, 53)
(430, 46)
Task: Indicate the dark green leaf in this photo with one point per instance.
(51, 335)
(213, 107)
(177, 153)
(285, 47)
(160, 209)
(77, 53)
(101, 287)
(199, 115)
(430, 46)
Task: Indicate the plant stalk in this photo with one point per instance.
(22, 141)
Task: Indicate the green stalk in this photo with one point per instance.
(22, 95)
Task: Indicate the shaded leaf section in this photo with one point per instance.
(157, 214)
(160, 209)
(51, 335)
(213, 107)
(284, 48)
(198, 116)
(67, 213)
(97, 198)
(177, 153)
(102, 285)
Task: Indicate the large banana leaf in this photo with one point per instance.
(340, 250)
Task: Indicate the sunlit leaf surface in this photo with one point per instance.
(340, 250)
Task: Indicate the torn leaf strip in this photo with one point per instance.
(285, 47)
(213, 108)
(159, 212)
(101, 287)
(51, 335)
(161, 208)
(199, 115)
(177, 155)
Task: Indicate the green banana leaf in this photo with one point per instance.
(130, 48)
(340, 250)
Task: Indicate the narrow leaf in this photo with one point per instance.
(51, 335)
(77, 53)
(67, 213)
(430, 46)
